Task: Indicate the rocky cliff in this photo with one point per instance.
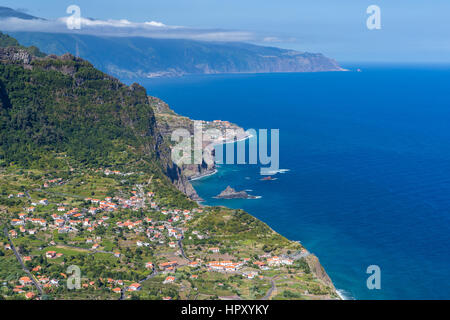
(168, 121)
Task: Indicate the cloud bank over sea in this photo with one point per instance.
(127, 28)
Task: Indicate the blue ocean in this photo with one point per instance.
(367, 159)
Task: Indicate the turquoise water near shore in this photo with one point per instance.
(369, 167)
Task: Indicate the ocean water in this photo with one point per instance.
(368, 159)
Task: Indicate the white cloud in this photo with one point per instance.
(123, 27)
(155, 24)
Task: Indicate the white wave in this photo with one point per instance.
(344, 295)
(273, 172)
(204, 175)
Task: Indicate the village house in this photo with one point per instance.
(167, 265)
(50, 254)
(38, 221)
(134, 287)
(287, 261)
(277, 261)
(17, 222)
(30, 295)
(22, 216)
(43, 279)
(250, 274)
(273, 261)
(59, 222)
(226, 265)
(36, 269)
(117, 290)
(169, 279)
(24, 281)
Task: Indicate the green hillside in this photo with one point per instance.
(86, 180)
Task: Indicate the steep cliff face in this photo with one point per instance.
(168, 121)
(318, 270)
(62, 104)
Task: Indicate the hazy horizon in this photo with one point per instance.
(410, 32)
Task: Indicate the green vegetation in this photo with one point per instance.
(85, 180)
(7, 41)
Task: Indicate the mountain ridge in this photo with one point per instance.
(139, 57)
(145, 57)
(6, 12)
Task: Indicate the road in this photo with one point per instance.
(19, 258)
(271, 290)
(124, 289)
(180, 244)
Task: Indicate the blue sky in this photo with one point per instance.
(412, 30)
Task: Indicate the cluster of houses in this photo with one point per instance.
(222, 123)
(72, 220)
(273, 262)
(24, 287)
(225, 266)
(75, 219)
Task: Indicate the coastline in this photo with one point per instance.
(203, 175)
(209, 173)
(339, 292)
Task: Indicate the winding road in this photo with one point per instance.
(124, 289)
(24, 268)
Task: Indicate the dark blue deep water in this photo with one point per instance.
(369, 167)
